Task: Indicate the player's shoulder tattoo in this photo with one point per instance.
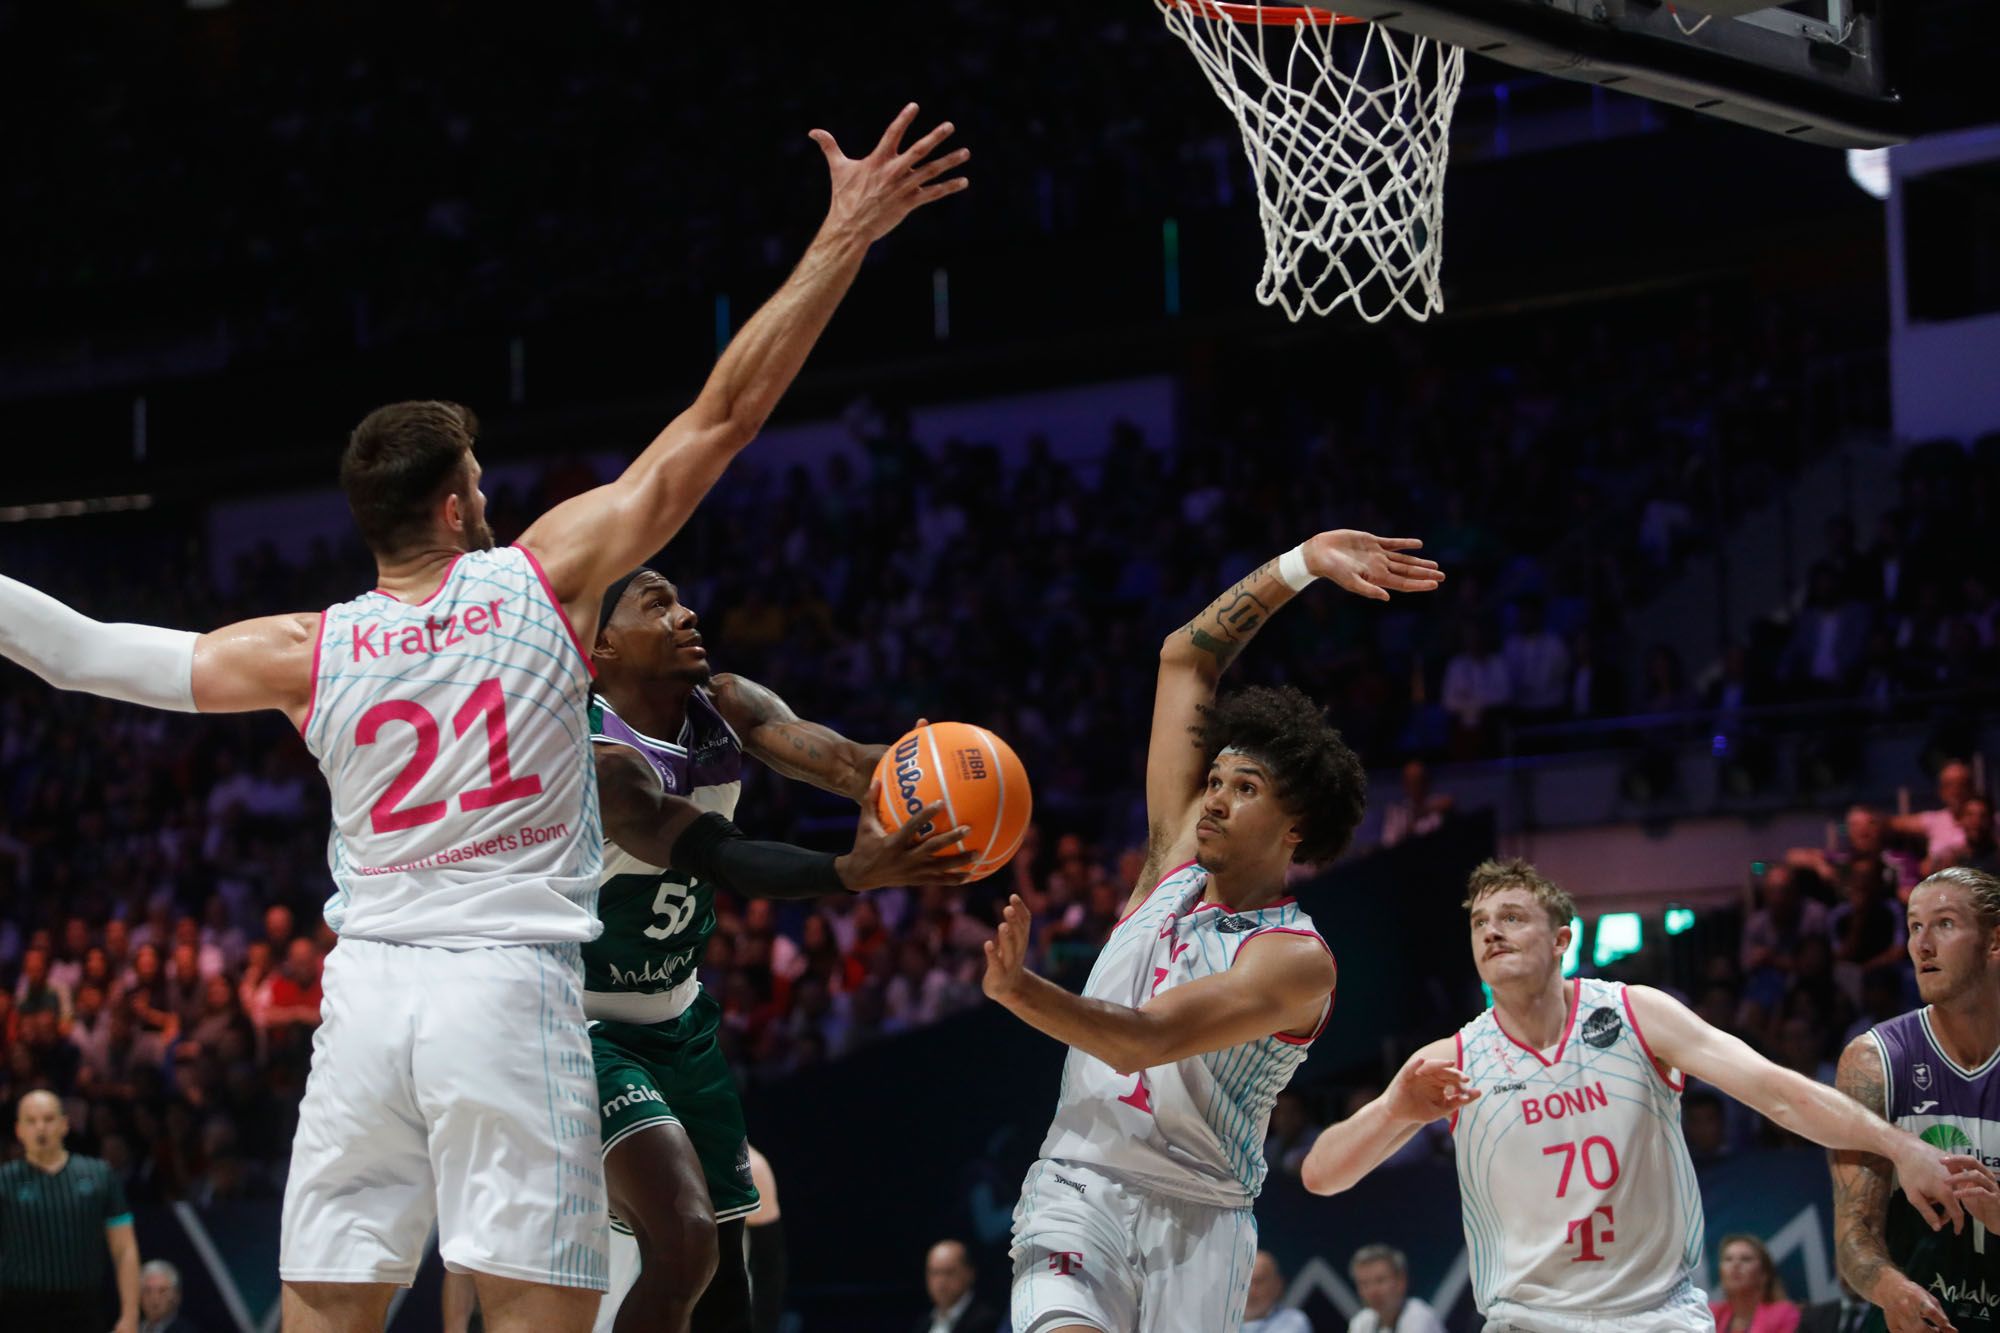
(1861, 1075)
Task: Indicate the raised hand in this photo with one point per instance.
(1371, 566)
(1007, 951)
(872, 194)
(913, 854)
(1427, 1090)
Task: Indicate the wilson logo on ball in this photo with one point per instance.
(974, 773)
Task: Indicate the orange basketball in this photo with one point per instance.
(975, 773)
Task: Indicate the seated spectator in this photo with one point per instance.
(1382, 1280)
(1825, 647)
(1267, 1287)
(1866, 850)
(160, 1299)
(1704, 1126)
(1845, 1313)
(1784, 916)
(1866, 927)
(1474, 692)
(1538, 665)
(955, 1308)
(1753, 1296)
(36, 992)
(291, 995)
(1978, 846)
(1420, 813)
(1938, 830)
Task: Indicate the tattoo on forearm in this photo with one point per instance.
(1862, 1182)
(1228, 622)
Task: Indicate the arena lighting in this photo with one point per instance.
(1619, 935)
(1574, 954)
(1680, 921)
(104, 504)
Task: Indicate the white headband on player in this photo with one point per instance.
(136, 664)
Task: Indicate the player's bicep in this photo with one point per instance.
(257, 664)
(1678, 1038)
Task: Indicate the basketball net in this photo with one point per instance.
(1348, 137)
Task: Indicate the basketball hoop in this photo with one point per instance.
(1348, 139)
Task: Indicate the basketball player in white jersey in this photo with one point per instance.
(1208, 992)
(1581, 1207)
(451, 1077)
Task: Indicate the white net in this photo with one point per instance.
(1347, 126)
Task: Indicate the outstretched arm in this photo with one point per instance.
(240, 668)
(1931, 1180)
(1429, 1087)
(1193, 658)
(1279, 982)
(665, 830)
(780, 739)
(586, 542)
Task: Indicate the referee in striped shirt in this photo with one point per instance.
(60, 1217)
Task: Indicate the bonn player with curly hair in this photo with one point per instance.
(1208, 992)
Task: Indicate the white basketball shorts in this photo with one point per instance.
(1686, 1311)
(1091, 1249)
(455, 1086)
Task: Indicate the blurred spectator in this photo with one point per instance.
(1939, 831)
(948, 1279)
(1291, 1133)
(1827, 637)
(1784, 916)
(1704, 1126)
(1382, 1282)
(1753, 1295)
(37, 992)
(1538, 665)
(1476, 688)
(1420, 812)
(160, 1299)
(1267, 1287)
(1979, 846)
(1846, 1313)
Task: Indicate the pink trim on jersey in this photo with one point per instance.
(434, 591)
(561, 614)
(1326, 1015)
(1150, 892)
(1458, 1060)
(312, 700)
(1659, 1066)
(1575, 997)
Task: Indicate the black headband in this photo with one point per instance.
(611, 596)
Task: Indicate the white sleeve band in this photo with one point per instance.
(137, 664)
(1292, 571)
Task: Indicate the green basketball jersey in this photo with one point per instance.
(657, 921)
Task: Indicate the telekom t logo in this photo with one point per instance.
(1586, 1235)
(1066, 1263)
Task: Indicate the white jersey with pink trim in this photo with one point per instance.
(1193, 1129)
(1578, 1193)
(455, 737)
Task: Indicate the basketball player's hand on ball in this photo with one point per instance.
(913, 854)
(1427, 1090)
(1371, 566)
(1007, 951)
(873, 193)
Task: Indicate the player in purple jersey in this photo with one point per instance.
(1203, 1001)
(1931, 1072)
(429, 874)
(1580, 1204)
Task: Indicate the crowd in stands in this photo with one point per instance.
(160, 877)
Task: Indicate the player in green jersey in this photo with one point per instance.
(669, 736)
